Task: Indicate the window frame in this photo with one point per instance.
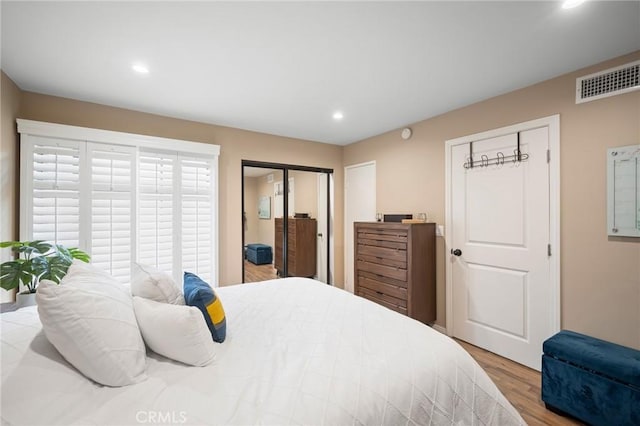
(84, 135)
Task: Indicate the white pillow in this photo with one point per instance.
(151, 283)
(89, 319)
(175, 331)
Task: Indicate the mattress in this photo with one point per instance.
(297, 352)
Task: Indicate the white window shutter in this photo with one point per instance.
(121, 197)
(197, 216)
(112, 182)
(55, 197)
(156, 245)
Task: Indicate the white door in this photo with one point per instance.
(503, 292)
(323, 238)
(359, 205)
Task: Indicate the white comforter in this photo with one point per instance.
(297, 352)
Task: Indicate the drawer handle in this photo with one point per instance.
(379, 292)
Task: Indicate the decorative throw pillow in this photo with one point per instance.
(89, 319)
(151, 283)
(200, 294)
(176, 331)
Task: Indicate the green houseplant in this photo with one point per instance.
(35, 261)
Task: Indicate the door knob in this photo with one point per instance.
(456, 252)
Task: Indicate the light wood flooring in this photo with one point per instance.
(521, 386)
(254, 273)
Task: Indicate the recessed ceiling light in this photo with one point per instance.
(140, 68)
(570, 4)
(338, 115)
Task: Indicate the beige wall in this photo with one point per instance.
(251, 209)
(266, 227)
(306, 193)
(600, 278)
(235, 145)
(10, 95)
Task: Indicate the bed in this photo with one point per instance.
(297, 352)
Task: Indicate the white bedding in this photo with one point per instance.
(297, 352)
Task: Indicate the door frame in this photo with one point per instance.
(285, 178)
(553, 124)
(327, 218)
(346, 213)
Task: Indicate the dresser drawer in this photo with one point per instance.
(383, 300)
(395, 242)
(382, 234)
(400, 263)
(370, 283)
(394, 254)
(389, 233)
(384, 270)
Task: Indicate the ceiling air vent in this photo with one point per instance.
(614, 81)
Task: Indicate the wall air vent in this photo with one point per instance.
(614, 81)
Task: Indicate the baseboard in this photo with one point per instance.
(439, 329)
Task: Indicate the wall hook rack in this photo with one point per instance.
(499, 159)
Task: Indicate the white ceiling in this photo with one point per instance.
(284, 68)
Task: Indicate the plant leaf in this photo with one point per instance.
(38, 266)
(33, 248)
(63, 253)
(41, 247)
(6, 244)
(57, 267)
(79, 254)
(12, 273)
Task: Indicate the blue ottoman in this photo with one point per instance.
(593, 380)
(259, 254)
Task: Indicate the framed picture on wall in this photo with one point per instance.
(264, 207)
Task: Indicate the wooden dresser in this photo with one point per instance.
(302, 246)
(395, 266)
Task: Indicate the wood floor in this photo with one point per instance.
(254, 273)
(521, 386)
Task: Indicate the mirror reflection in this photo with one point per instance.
(260, 209)
(268, 243)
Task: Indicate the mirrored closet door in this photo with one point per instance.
(287, 213)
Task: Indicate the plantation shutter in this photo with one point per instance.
(55, 191)
(121, 197)
(197, 216)
(112, 184)
(156, 245)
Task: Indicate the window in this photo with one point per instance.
(156, 212)
(196, 205)
(112, 185)
(120, 198)
(56, 191)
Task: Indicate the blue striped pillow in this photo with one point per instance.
(200, 294)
